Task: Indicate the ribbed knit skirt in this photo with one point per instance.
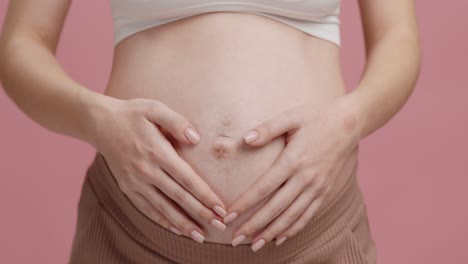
(110, 229)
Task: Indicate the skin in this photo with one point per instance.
(50, 97)
(305, 167)
(154, 150)
(223, 93)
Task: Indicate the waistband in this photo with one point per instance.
(325, 225)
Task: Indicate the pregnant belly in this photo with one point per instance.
(226, 73)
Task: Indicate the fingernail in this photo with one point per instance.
(230, 217)
(280, 241)
(197, 236)
(258, 245)
(175, 230)
(219, 210)
(238, 240)
(217, 224)
(192, 135)
(251, 136)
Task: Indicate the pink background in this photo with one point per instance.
(413, 171)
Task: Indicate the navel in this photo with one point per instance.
(224, 147)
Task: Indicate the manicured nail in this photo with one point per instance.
(192, 135)
(238, 240)
(217, 224)
(258, 245)
(280, 241)
(197, 236)
(175, 230)
(230, 217)
(251, 136)
(219, 210)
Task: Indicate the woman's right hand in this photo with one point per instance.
(149, 170)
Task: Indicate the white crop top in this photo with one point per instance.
(318, 18)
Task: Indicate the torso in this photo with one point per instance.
(226, 73)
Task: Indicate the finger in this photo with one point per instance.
(272, 128)
(186, 200)
(279, 202)
(303, 220)
(289, 216)
(172, 212)
(264, 185)
(183, 173)
(148, 210)
(173, 122)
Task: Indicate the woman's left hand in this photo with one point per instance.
(319, 141)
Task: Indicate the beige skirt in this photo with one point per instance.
(110, 229)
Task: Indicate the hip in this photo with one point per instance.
(111, 228)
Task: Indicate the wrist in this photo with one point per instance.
(95, 107)
(354, 114)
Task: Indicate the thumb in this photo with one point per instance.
(173, 122)
(271, 129)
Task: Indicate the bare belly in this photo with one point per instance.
(226, 73)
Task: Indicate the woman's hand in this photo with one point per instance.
(130, 135)
(319, 141)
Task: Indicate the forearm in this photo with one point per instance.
(35, 81)
(388, 80)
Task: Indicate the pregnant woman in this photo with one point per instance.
(225, 133)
